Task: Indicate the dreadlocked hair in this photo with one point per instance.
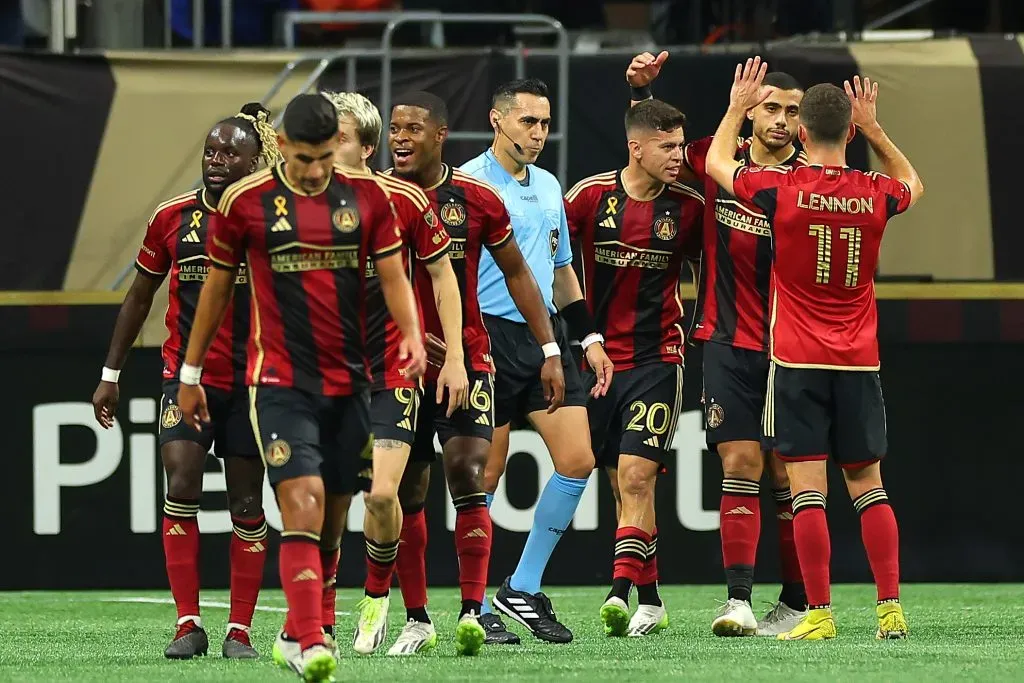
(254, 118)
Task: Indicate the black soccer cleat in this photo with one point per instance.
(532, 611)
(238, 646)
(190, 641)
(495, 631)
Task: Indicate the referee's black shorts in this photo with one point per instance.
(518, 359)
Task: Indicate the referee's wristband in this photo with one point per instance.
(551, 350)
(592, 338)
(190, 375)
(110, 375)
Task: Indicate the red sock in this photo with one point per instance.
(787, 547)
(329, 597)
(380, 565)
(303, 585)
(740, 522)
(630, 553)
(881, 539)
(649, 574)
(813, 547)
(248, 552)
(412, 559)
(473, 544)
(181, 553)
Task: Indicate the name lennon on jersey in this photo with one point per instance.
(624, 256)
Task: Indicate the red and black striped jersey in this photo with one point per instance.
(427, 239)
(633, 254)
(306, 255)
(827, 222)
(736, 264)
(475, 216)
(175, 245)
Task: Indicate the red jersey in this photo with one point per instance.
(632, 255)
(474, 215)
(424, 236)
(736, 264)
(175, 244)
(306, 256)
(827, 223)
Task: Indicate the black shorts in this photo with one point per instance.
(812, 414)
(230, 431)
(638, 415)
(518, 360)
(393, 414)
(474, 418)
(305, 434)
(735, 385)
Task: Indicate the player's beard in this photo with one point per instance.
(772, 143)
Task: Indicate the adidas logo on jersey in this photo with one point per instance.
(282, 225)
(608, 223)
(741, 510)
(652, 442)
(482, 420)
(192, 237)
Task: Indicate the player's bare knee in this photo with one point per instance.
(245, 507)
(412, 491)
(637, 481)
(302, 503)
(380, 503)
(777, 472)
(741, 460)
(492, 474)
(576, 463)
(183, 483)
(860, 480)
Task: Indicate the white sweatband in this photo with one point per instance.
(551, 350)
(592, 338)
(110, 375)
(190, 374)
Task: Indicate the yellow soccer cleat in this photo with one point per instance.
(892, 625)
(817, 625)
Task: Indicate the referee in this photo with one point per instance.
(521, 117)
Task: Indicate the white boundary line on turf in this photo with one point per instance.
(202, 603)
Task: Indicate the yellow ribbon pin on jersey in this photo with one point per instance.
(613, 205)
(196, 215)
(280, 206)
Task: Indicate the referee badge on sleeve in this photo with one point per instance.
(554, 242)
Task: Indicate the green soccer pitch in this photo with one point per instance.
(957, 632)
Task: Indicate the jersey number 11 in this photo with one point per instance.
(823, 233)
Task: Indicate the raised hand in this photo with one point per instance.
(746, 91)
(644, 69)
(863, 97)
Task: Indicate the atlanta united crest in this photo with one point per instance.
(665, 228)
(453, 214)
(171, 416)
(345, 219)
(716, 416)
(278, 453)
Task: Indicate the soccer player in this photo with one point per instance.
(394, 398)
(637, 228)
(824, 392)
(521, 116)
(306, 227)
(475, 216)
(731, 320)
(175, 244)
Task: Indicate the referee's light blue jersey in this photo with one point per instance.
(540, 230)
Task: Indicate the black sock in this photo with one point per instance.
(648, 595)
(470, 606)
(620, 589)
(794, 596)
(740, 580)
(329, 630)
(418, 614)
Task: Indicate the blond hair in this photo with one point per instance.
(368, 121)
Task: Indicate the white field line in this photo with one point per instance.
(202, 603)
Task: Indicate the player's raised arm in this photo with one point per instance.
(641, 72)
(746, 94)
(863, 98)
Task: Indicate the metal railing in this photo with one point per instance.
(199, 23)
(386, 54)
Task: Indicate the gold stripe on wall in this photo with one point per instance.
(930, 103)
(162, 109)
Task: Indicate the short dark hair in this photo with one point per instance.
(254, 120)
(654, 115)
(506, 92)
(435, 106)
(825, 112)
(781, 80)
(311, 119)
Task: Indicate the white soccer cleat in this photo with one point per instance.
(647, 620)
(415, 637)
(780, 619)
(285, 650)
(736, 618)
(373, 625)
(315, 664)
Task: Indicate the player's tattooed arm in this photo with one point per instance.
(863, 98)
(746, 94)
(130, 319)
(388, 444)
